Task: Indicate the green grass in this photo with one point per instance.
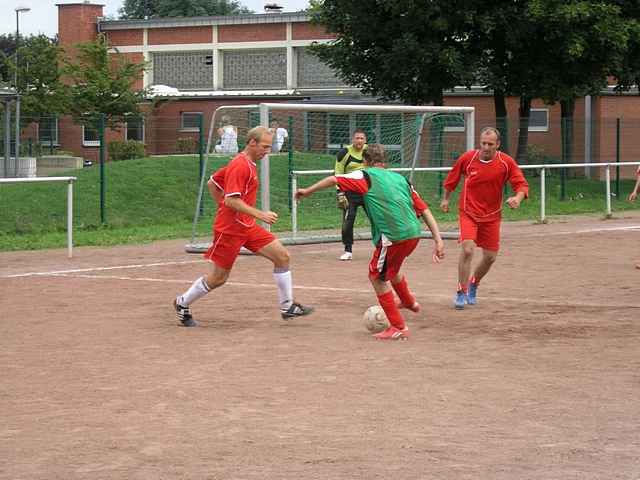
(154, 198)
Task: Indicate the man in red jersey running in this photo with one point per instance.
(485, 172)
(394, 208)
(235, 188)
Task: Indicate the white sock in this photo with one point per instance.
(285, 287)
(198, 290)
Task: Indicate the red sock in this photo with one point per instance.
(473, 280)
(463, 288)
(402, 289)
(388, 304)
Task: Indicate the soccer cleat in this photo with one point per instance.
(460, 300)
(184, 315)
(393, 333)
(472, 293)
(414, 308)
(346, 256)
(295, 310)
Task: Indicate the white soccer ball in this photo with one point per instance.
(375, 320)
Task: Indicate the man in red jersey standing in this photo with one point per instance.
(235, 188)
(485, 173)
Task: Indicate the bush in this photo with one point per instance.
(186, 145)
(126, 150)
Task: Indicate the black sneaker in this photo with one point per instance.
(184, 315)
(296, 310)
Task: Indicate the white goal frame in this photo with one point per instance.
(265, 108)
(70, 181)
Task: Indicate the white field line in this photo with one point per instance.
(363, 291)
(100, 269)
(573, 232)
(117, 267)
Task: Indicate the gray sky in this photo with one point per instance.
(43, 17)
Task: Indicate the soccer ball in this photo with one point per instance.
(375, 319)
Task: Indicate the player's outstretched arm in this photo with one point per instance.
(322, 184)
(239, 205)
(430, 221)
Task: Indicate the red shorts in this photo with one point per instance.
(225, 248)
(386, 261)
(485, 234)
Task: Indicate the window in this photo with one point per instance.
(90, 136)
(539, 120)
(48, 131)
(190, 121)
(254, 69)
(313, 73)
(183, 70)
(134, 127)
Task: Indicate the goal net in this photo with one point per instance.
(421, 142)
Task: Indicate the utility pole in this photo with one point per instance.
(19, 10)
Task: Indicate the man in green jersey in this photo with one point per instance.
(349, 159)
(393, 207)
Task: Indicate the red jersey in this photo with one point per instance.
(358, 182)
(484, 181)
(239, 178)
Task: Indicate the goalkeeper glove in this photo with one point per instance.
(343, 201)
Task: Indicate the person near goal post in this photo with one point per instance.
(235, 188)
(394, 208)
(485, 172)
(349, 159)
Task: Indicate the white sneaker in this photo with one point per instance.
(346, 256)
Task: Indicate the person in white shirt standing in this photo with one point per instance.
(228, 134)
(280, 135)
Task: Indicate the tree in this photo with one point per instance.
(397, 49)
(628, 73)
(590, 41)
(100, 83)
(7, 50)
(180, 8)
(39, 77)
(560, 50)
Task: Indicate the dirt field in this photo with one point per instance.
(540, 380)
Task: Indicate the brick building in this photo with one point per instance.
(247, 59)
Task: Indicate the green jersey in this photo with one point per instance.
(389, 205)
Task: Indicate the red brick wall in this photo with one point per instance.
(252, 33)
(124, 37)
(165, 36)
(77, 23)
(70, 138)
(609, 109)
(134, 57)
(307, 31)
(549, 141)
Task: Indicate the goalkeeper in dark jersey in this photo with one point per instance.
(393, 207)
(349, 159)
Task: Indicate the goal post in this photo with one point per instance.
(69, 181)
(415, 137)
